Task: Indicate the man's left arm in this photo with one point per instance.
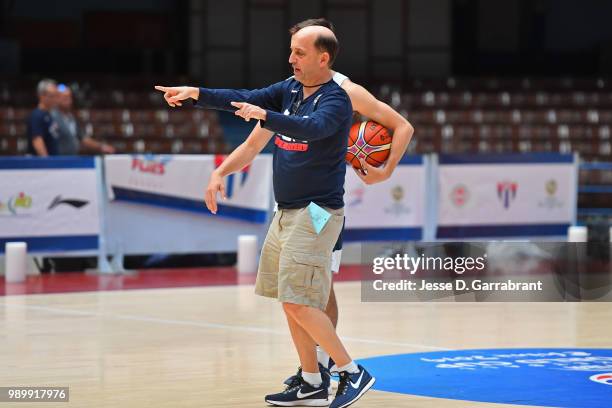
(366, 104)
(332, 111)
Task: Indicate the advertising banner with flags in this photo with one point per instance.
(179, 182)
(51, 204)
(508, 195)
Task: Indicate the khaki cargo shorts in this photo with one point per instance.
(295, 262)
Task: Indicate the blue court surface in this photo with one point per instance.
(571, 378)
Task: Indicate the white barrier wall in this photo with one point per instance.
(50, 203)
(180, 181)
(519, 195)
(392, 210)
(156, 202)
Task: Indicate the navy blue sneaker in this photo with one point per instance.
(300, 393)
(351, 387)
(295, 377)
(325, 376)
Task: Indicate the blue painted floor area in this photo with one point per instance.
(571, 378)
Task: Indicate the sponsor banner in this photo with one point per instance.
(547, 377)
(509, 195)
(180, 181)
(391, 210)
(52, 204)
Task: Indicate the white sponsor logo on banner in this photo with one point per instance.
(395, 203)
(49, 202)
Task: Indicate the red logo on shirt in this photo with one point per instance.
(293, 146)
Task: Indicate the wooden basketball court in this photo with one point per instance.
(222, 346)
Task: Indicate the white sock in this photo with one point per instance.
(313, 379)
(350, 367)
(322, 357)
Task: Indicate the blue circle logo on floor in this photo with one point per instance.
(571, 378)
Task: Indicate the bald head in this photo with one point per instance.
(317, 31)
(64, 100)
(320, 33)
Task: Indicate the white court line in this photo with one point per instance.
(220, 326)
(392, 343)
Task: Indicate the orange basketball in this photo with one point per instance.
(369, 141)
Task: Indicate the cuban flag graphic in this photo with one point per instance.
(506, 191)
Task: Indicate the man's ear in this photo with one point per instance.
(324, 58)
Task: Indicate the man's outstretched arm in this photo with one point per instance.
(220, 99)
(238, 159)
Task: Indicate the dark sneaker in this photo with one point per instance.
(351, 387)
(300, 393)
(291, 381)
(297, 377)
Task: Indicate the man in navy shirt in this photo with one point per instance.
(310, 116)
(367, 106)
(42, 129)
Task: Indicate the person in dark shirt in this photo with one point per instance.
(42, 129)
(310, 116)
(367, 106)
(71, 137)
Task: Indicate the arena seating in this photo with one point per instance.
(507, 115)
(468, 115)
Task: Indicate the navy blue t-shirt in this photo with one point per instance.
(310, 140)
(40, 123)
